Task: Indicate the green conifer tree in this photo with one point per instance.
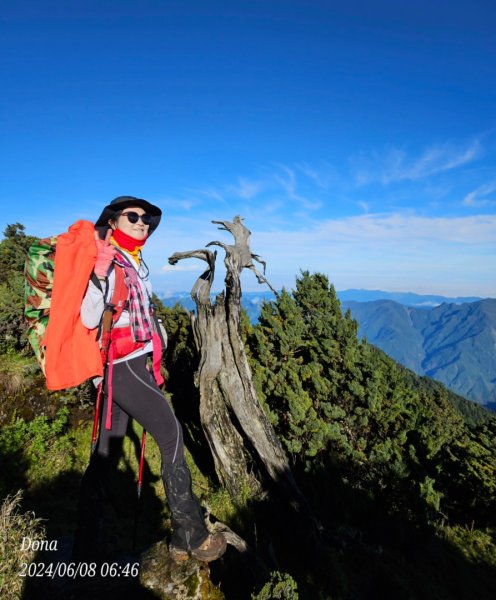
(335, 398)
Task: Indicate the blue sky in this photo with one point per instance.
(356, 138)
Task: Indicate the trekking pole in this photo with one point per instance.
(106, 326)
(142, 463)
(96, 419)
(139, 487)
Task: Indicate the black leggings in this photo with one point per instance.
(135, 394)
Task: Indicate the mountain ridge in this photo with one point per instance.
(405, 298)
(452, 343)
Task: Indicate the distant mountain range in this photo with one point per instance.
(452, 340)
(251, 301)
(452, 343)
(406, 298)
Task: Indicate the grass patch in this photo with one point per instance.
(477, 545)
(14, 526)
(16, 372)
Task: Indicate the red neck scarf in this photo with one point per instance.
(127, 242)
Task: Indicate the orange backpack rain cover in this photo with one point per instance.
(72, 352)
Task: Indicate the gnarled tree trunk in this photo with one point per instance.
(227, 394)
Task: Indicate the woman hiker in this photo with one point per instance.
(130, 388)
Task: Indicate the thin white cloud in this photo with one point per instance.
(246, 188)
(382, 233)
(286, 179)
(208, 192)
(186, 267)
(276, 187)
(186, 204)
(313, 174)
(323, 176)
(393, 251)
(403, 228)
(389, 251)
(478, 196)
(395, 165)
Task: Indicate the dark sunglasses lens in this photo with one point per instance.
(135, 217)
(132, 217)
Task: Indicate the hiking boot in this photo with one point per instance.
(211, 549)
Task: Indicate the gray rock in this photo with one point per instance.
(169, 580)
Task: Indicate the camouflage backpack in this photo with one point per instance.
(38, 285)
(39, 273)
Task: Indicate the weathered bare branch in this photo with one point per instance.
(261, 278)
(259, 260)
(201, 290)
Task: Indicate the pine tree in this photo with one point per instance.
(343, 402)
(303, 357)
(13, 249)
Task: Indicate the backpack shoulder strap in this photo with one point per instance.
(120, 293)
(94, 279)
(112, 312)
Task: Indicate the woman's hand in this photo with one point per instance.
(105, 254)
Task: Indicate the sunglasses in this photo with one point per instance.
(134, 217)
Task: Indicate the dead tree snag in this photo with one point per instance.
(224, 378)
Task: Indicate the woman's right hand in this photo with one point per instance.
(105, 254)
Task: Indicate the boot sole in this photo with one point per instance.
(209, 557)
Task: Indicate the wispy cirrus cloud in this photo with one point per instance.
(324, 176)
(479, 196)
(246, 188)
(286, 178)
(207, 192)
(395, 165)
(186, 204)
(277, 187)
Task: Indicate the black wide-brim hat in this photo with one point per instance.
(122, 202)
